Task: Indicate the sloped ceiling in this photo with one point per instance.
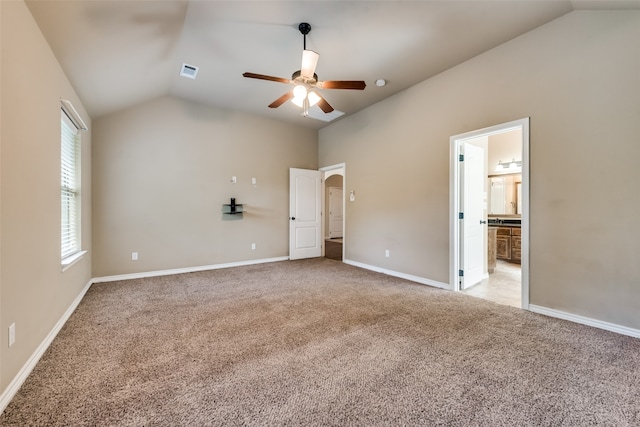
(121, 53)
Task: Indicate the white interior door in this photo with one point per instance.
(335, 212)
(305, 218)
(473, 227)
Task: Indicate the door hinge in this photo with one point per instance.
(461, 273)
(461, 158)
(460, 215)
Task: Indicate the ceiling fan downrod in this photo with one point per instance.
(304, 28)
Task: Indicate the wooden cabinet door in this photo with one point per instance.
(516, 248)
(503, 243)
(503, 247)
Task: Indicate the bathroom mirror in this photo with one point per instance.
(505, 195)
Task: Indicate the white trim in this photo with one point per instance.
(623, 330)
(23, 373)
(185, 270)
(405, 276)
(71, 259)
(454, 201)
(73, 115)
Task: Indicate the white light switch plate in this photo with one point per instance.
(12, 334)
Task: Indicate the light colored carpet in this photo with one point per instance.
(317, 342)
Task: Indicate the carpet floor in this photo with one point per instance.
(318, 342)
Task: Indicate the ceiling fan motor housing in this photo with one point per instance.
(298, 78)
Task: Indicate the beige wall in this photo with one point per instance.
(577, 78)
(34, 292)
(504, 147)
(162, 171)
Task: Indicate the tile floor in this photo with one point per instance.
(503, 285)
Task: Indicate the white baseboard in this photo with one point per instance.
(585, 321)
(410, 277)
(185, 270)
(24, 372)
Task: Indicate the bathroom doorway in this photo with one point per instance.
(501, 215)
(334, 211)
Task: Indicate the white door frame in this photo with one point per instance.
(327, 171)
(454, 201)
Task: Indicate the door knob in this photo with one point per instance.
(293, 218)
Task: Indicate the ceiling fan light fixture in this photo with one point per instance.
(299, 92)
(314, 98)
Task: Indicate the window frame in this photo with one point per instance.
(70, 186)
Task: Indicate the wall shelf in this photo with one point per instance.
(233, 208)
(226, 209)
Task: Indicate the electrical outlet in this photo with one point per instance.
(387, 253)
(253, 246)
(12, 334)
(134, 256)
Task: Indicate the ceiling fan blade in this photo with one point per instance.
(264, 77)
(309, 63)
(342, 84)
(324, 105)
(284, 98)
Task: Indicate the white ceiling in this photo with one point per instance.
(121, 53)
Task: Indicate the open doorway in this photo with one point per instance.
(489, 191)
(334, 211)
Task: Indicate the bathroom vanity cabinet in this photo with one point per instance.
(508, 243)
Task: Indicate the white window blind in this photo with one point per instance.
(70, 187)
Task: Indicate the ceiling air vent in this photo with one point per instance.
(316, 113)
(189, 71)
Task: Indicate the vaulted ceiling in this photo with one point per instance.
(121, 53)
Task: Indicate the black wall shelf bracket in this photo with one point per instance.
(233, 208)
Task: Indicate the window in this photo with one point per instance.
(70, 188)
(70, 126)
